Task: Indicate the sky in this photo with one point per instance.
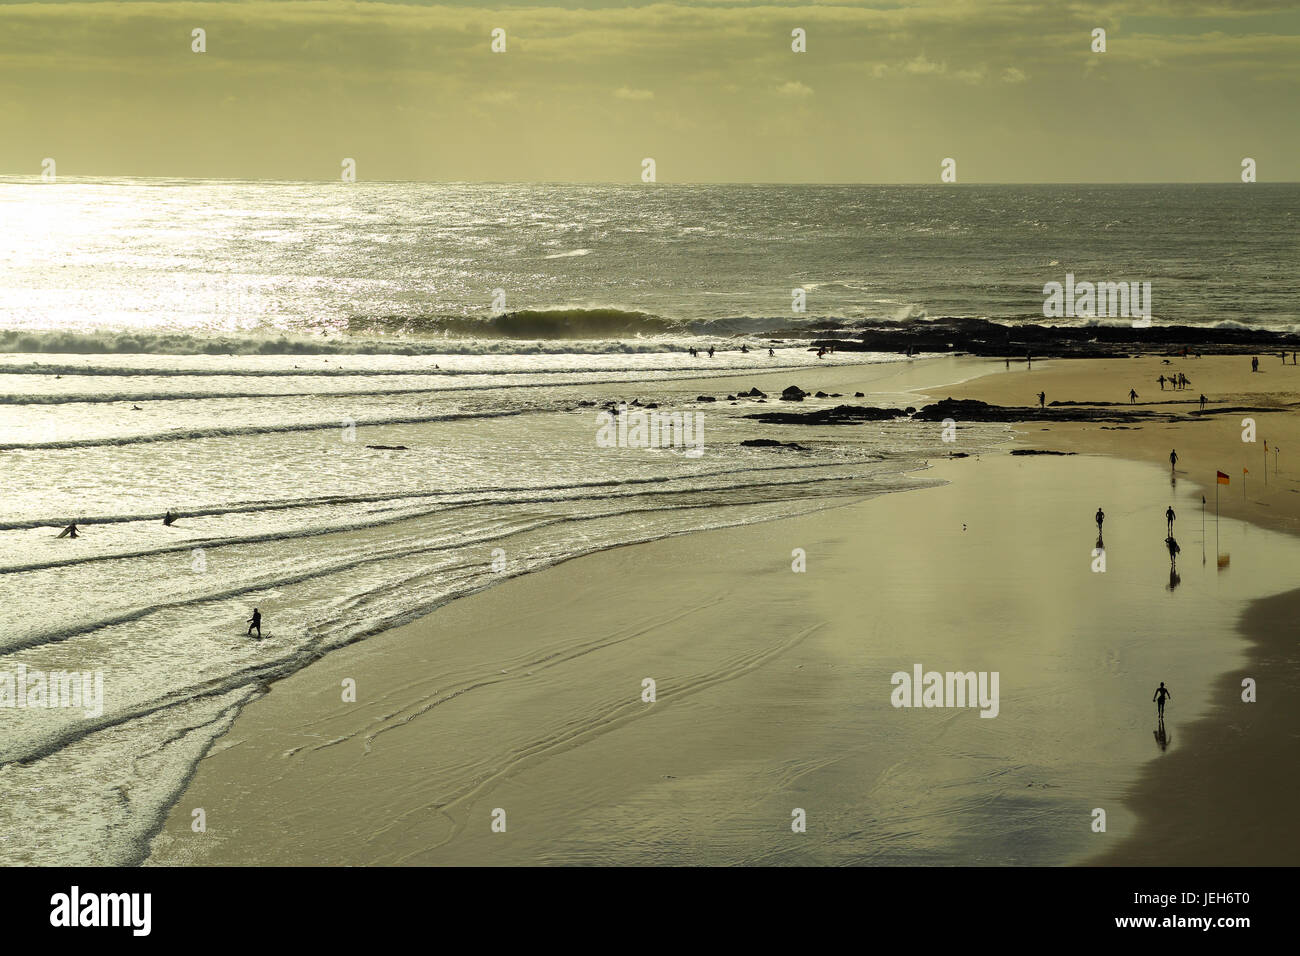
(711, 90)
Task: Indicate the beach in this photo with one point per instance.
(511, 726)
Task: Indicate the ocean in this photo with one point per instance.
(234, 352)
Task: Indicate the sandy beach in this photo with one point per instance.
(524, 703)
(1230, 785)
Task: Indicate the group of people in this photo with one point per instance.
(1162, 693)
(72, 531)
(744, 350)
(1178, 381)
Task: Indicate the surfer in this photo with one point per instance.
(70, 531)
(771, 354)
(1101, 516)
(168, 518)
(1162, 692)
(710, 351)
(255, 622)
(1042, 399)
(1132, 396)
(1202, 403)
(1169, 520)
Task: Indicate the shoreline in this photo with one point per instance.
(1124, 853)
(1231, 744)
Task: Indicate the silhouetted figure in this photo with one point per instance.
(1183, 380)
(255, 622)
(1029, 359)
(1173, 459)
(1172, 545)
(1169, 520)
(1254, 365)
(70, 531)
(1174, 579)
(168, 518)
(1132, 396)
(1101, 516)
(1202, 403)
(1008, 361)
(1162, 692)
(1161, 380)
(771, 354)
(710, 351)
(821, 352)
(1042, 400)
(744, 350)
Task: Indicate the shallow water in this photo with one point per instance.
(284, 508)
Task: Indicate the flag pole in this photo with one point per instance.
(1216, 517)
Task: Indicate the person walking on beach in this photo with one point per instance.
(1173, 459)
(1172, 545)
(1161, 380)
(1202, 402)
(70, 531)
(1101, 516)
(1254, 364)
(1162, 692)
(1042, 399)
(1169, 519)
(255, 622)
(710, 351)
(1132, 396)
(771, 354)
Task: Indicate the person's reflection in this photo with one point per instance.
(1173, 482)
(1162, 737)
(1174, 579)
(1101, 545)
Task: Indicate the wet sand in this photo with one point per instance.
(773, 694)
(1226, 796)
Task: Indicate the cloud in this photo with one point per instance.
(794, 89)
(625, 93)
(1013, 74)
(920, 66)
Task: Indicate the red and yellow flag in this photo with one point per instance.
(1223, 479)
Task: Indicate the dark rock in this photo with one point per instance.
(793, 394)
(388, 447)
(839, 415)
(859, 395)
(770, 443)
(1038, 451)
(705, 398)
(821, 395)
